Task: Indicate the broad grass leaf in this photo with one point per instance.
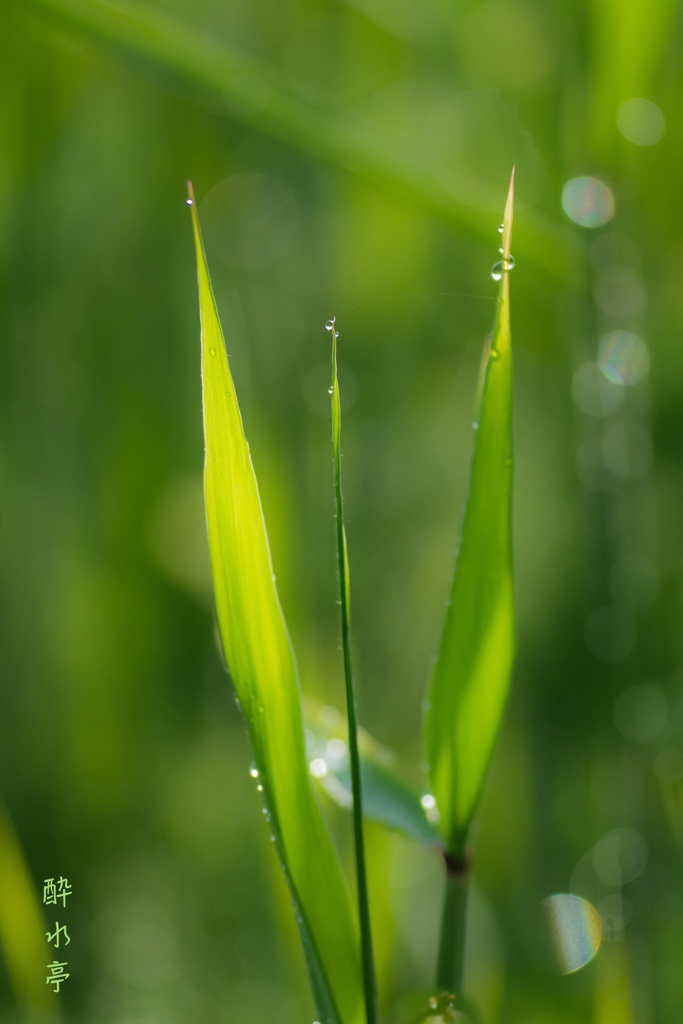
(388, 797)
(261, 662)
(472, 672)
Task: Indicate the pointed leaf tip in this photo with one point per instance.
(507, 218)
(190, 194)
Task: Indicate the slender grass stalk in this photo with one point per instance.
(368, 964)
(451, 958)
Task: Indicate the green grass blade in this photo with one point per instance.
(472, 673)
(261, 662)
(22, 931)
(369, 980)
(388, 797)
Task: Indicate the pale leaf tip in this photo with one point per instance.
(190, 194)
(507, 217)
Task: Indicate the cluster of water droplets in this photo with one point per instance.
(330, 326)
(254, 772)
(428, 803)
(504, 264)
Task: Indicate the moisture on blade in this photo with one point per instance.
(472, 672)
(261, 662)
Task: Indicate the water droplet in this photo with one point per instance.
(501, 229)
(476, 425)
(272, 839)
(189, 202)
(330, 391)
(318, 768)
(329, 326)
(253, 772)
(212, 351)
(264, 810)
(501, 250)
(336, 334)
(497, 271)
(493, 354)
(259, 788)
(428, 803)
(509, 262)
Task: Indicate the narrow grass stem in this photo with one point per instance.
(451, 961)
(367, 956)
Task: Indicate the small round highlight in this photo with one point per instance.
(594, 393)
(623, 358)
(318, 768)
(641, 122)
(588, 202)
(576, 930)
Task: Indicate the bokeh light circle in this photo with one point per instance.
(594, 393)
(576, 929)
(588, 202)
(623, 357)
(640, 712)
(641, 122)
(620, 856)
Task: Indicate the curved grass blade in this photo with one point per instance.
(368, 960)
(261, 662)
(388, 797)
(22, 932)
(472, 672)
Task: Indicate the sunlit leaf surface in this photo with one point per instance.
(472, 673)
(262, 666)
(387, 795)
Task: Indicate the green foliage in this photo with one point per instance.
(385, 131)
(388, 796)
(22, 938)
(472, 673)
(261, 663)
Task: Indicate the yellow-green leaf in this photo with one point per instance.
(472, 672)
(261, 662)
(22, 931)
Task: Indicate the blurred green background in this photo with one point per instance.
(350, 158)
